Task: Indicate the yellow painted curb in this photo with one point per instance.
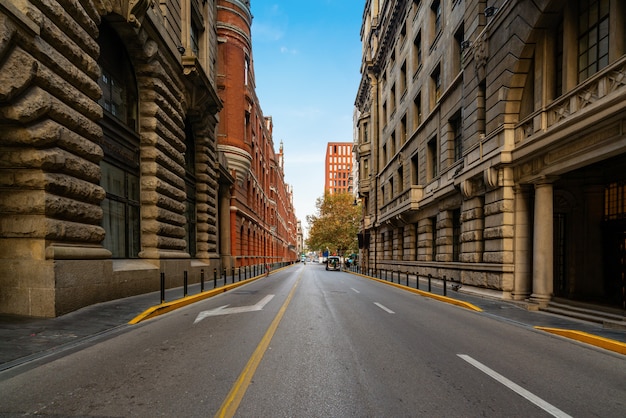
(606, 343)
(440, 298)
(188, 300)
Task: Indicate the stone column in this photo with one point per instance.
(523, 244)
(543, 244)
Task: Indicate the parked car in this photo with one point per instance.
(333, 263)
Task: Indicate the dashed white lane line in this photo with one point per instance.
(354, 290)
(549, 408)
(384, 308)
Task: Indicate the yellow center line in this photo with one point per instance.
(232, 401)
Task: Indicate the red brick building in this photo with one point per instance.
(263, 225)
(338, 168)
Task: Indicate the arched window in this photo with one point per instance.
(120, 166)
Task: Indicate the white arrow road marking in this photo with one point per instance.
(225, 310)
(384, 308)
(549, 408)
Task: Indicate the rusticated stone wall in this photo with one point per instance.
(51, 256)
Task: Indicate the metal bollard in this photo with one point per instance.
(417, 281)
(445, 286)
(232, 271)
(214, 278)
(407, 279)
(430, 276)
(185, 281)
(239, 274)
(162, 287)
(201, 280)
(224, 271)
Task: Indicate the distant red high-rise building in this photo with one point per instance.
(338, 168)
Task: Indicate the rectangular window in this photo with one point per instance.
(415, 170)
(457, 50)
(194, 35)
(120, 211)
(433, 166)
(481, 106)
(384, 114)
(593, 38)
(436, 17)
(435, 78)
(416, 234)
(615, 201)
(456, 235)
(558, 61)
(417, 52)
(456, 132)
(113, 98)
(403, 83)
(433, 238)
(417, 111)
(400, 243)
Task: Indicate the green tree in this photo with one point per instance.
(335, 225)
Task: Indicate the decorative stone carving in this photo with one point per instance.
(136, 9)
(481, 55)
(490, 176)
(131, 10)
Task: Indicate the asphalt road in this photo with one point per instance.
(310, 343)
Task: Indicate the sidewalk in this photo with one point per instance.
(25, 339)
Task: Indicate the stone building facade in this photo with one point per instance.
(262, 218)
(491, 145)
(110, 172)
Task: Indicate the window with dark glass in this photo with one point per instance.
(417, 52)
(436, 85)
(435, 8)
(456, 131)
(120, 143)
(415, 170)
(433, 238)
(433, 159)
(558, 61)
(593, 37)
(456, 235)
(417, 111)
(190, 190)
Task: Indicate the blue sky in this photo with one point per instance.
(306, 57)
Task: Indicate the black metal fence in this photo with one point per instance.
(427, 282)
(217, 278)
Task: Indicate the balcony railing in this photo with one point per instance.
(404, 202)
(611, 81)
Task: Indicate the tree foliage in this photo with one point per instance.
(335, 225)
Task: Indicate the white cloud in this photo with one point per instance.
(285, 50)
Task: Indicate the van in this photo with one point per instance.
(333, 263)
